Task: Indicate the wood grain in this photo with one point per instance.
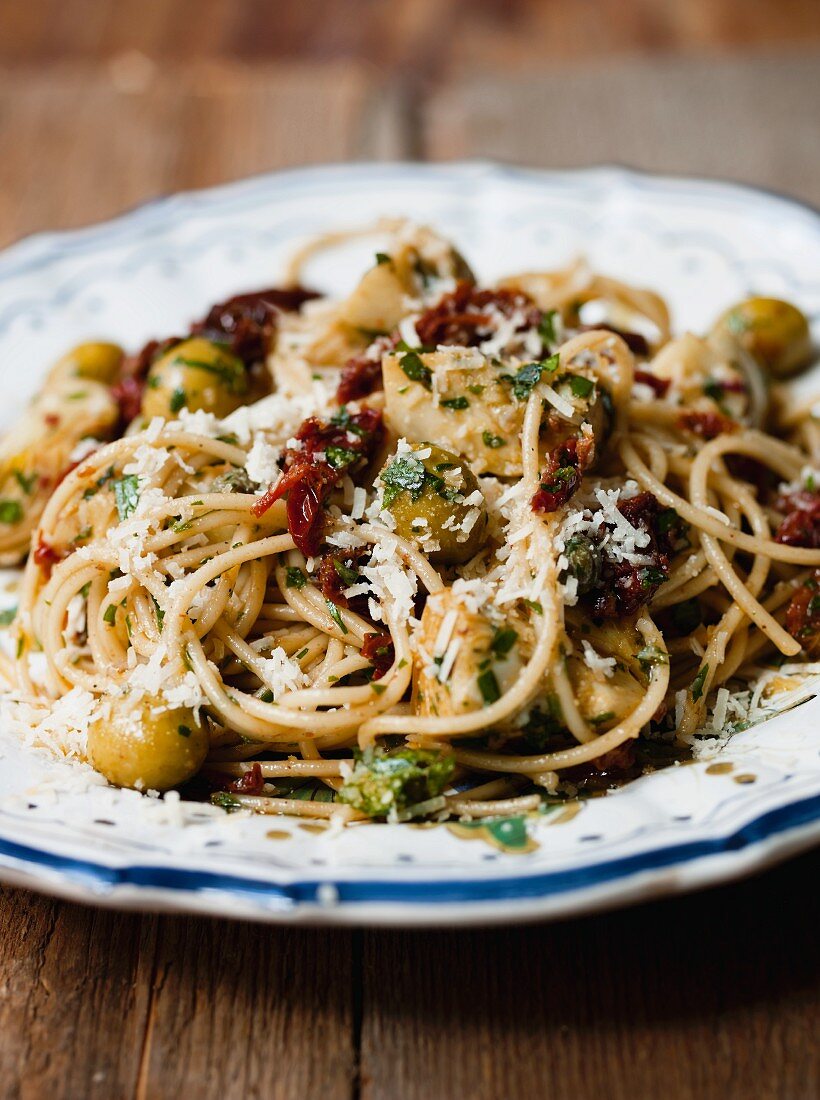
(88, 143)
(419, 38)
(251, 1012)
(74, 998)
(754, 119)
(710, 996)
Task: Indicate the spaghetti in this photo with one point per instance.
(477, 549)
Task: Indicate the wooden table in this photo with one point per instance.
(715, 995)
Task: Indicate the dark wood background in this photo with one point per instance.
(104, 104)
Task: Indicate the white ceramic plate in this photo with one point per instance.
(701, 244)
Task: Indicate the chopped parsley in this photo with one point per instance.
(229, 371)
(110, 614)
(493, 441)
(26, 483)
(415, 370)
(580, 386)
(698, 682)
(340, 457)
(382, 258)
(503, 641)
(405, 473)
(384, 781)
(184, 731)
(546, 327)
(650, 656)
(127, 495)
(488, 686)
(11, 511)
(457, 403)
(178, 399)
(336, 615)
(7, 616)
(295, 578)
(346, 573)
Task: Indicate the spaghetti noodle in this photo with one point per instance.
(478, 548)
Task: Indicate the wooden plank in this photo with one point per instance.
(108, 139)
(714, 995)
(416, 36)
(73, 1002)
(753, 120)
(243, 1011)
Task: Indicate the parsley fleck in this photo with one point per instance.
(7, 616)
(184, 731)
(546, 327)
(415, 370)
(455, 403)
(698, 682)
(336, 615)
(127, 495)
(580, 386)
(599, 719)
(503, 641)
(26, 483)
(110, 614)
(347, 575)
(650, 656)
(382, 258)
(178, 399)
(493, 441)
(340, 457)
(404, 473)
(295, 578)
(488, 686)
(10, 511)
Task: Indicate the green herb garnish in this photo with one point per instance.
(493, 441)
(295, 578)
(698, 682)
(127, 495)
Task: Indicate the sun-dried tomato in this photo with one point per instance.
(465, 315)
(247, 322)
(360, 376)
(624, 587)
(127, 392)
(708, 425)
(637, 344)
(339, 570)
(45, 555)
(379, 650)
(801, 524)
(752, 470)
(326, 451)
(562, 474)
(647, 378)
(250, 782)
(803, 615)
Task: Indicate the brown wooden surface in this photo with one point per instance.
(104, 104)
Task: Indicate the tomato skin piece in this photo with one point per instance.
(308, 480)
(803, 615)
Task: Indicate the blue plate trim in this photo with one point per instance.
(518, 888)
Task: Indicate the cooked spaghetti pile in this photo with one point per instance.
(435, 549)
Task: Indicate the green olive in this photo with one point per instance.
(196, 374)
(428, 492)
(774, 332)
(144, 747)
(96, 361)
